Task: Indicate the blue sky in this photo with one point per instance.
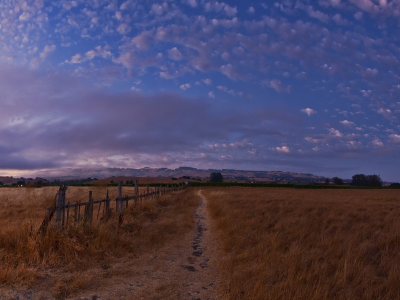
(303, 86)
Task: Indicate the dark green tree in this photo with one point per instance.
(326, 180)
(374, 180)
(216, 177)
(337, 180)
(359, 180)
(366, 180)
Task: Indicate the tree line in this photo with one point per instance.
(361, 180)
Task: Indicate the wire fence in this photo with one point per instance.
(65, 213)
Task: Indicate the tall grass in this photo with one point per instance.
(26, 258)
(308, 244)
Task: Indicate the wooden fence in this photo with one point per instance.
(64, 210)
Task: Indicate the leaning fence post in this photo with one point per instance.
(98, 211)
(60, 206)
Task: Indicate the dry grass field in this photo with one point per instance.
(281, 243)
(63, 263)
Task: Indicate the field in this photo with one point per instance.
(307, 244)
(258, 243)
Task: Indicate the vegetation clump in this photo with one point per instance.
(337, 180)
(216, 177)
(366, 180)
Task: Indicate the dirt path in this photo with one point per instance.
(185, 269)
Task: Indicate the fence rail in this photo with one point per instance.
(63, 210)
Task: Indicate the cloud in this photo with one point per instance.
(175, 54)
(335, 133)
(192, 3)
(46, 51)
(377, 143)
(185, 86)
(318, 15)
(395, 138)
(347, 123)
(283, 149)
(312, 140)
(124, 29)
(207, 81)
(135, 89)
(358, 16)
(339, 20)
(277, 85)
(230, 11)
(230, 71)
(211, 94)
(62, 116)
(25, 16)
(159, 9)
(309, 111)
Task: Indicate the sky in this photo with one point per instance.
(303, 86)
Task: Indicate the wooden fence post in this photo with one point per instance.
(136, 190)
(107, 206)
(147, 190)
(119, 205)
(98, 211)
(90, 206)
(67, 213)
(76, 213)
(60, 207)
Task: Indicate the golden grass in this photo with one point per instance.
(308, 244)
(28, 259)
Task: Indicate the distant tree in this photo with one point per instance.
(337, 180)
(327, 181)
(39, 183)
(1, 183)
(395, 184)
(359, 180)
(374, 180)
(216, 177)
(366, 180)
(20, 182)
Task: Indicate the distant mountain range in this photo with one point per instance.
(200, 174)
